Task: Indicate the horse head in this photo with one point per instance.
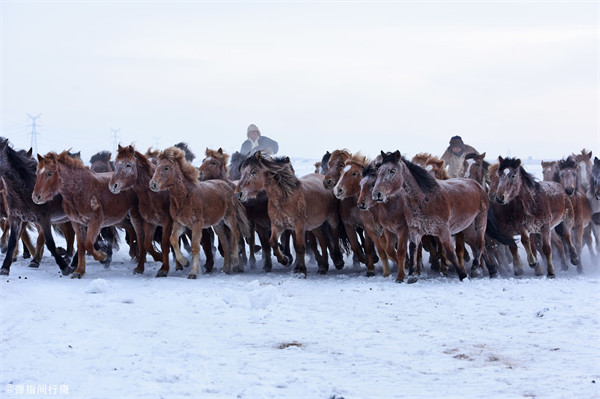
(237, 158)
(475, 167)
(214, 166)
(348, 184)
(126, 172)
(253, 177)
(389, 176)
(568, 176)
(509, 179)
(172, 168)
(48, 181)
(365, 196)
(336, 165)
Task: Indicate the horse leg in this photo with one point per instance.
(547, 250)
(196, 237)
(400, 252)
(167, 226)
(226, 244)
(80, 233)
(354, 244)
(274, 243)
(251, 243)
(300, 248)
(565, 235)
(5, 226)
(446, 241)
(174, 240)
(15, 232)
(587, 240)
(263, 236)
(323, 262)
(370, 252)
(207, 246)
(149, 230)
(38, 251)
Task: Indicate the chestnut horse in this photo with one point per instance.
(538, 208)
(101, 163)
(295, 204)
(349, 211)
(133, 171)
(435, 207)
(17, 171)
(199, 205)
(88, 203)
(348, 189)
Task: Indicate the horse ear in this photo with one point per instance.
(589, 155)
(596, 160)
(40, 158)
(30, 152)
(220, 151)
(382, 154)
(286, 159)
(500, 159)
(258, 155)
(482, 155)
(130, 149)
(397, 154)
(3, 144)
(119, 148)
(518, 163)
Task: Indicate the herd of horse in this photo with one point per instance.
(384, 210)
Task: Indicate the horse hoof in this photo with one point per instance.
(192, 276)
(494, 274)
(76, 275)
(519, 272)
(34, 263)
(3, 249)
(4, 272)
(322, 271)
(475, 272)
(534, 265)
(339, 263)
(370, 274)
(399, 280)
(462, 276)
(551, 275)
(66, 271)
(161, 273)
(412, 280)
(208, 267)
(575, 260)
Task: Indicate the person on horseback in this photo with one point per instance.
(455, 155)
(256, 142)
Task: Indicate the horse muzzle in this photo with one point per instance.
(378, 196)
(115, 188)
(38, 199)
(154, 186)
(201, 176)
(362, 205)
(241, 196)
(500, 199)
(328, 183)
(339, 193)
(570, 191)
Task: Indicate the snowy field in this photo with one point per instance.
(256, 335)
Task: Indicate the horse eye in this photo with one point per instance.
(392, 171)
(213, 163)
(49, 174)
(353, 173)
(253, 173)
(128, 165)
(341, 165)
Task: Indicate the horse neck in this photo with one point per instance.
(414, 193)
(275, 191)
(179, 192)
(17, 191)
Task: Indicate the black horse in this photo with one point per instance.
(19, 174)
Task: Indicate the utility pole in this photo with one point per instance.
(115, 138)
(34, 132)
(156, 140)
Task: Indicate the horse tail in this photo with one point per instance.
(241, 218)
(110, 235)
(343, 237)
(493, 230)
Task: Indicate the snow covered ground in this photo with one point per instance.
(256, 335)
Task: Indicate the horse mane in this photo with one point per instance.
(142, 160)
(515, 163)
(485, 164)
(280, 168)
(421, 158)
(568, 163)
(24, 165)
(152, 153)
(325, 159)
(425, 159)
(370, 170)
(66, 159)
(219, 154)
(177, 155)
(424, 179)
(102, 156)
(358, 159)
(344, 154)
(189, 155)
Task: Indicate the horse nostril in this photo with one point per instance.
(339, 191)
(500, 199)
(570, 191)
(238, 196)
(362, 205)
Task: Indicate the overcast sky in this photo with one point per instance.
(512, 78)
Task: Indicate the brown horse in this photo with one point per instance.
(199, 205)
(348, 188)
(133, 172)
(584, 168)
(549, 170)
(434, 207)
(568, 175)
(295, 204)
(88, 203)
(538, 208)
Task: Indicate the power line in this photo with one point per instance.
(34, 132)
(115, 137)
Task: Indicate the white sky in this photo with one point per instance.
(511, 78)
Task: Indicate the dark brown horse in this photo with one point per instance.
(298, 205)
(199, 205)
(593, 194)
(538, 207)
(439, 208)
(349, 211)
(18, 173)
(101, 163)
(214, 166)
(88, 203)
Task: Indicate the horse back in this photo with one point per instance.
(215, 199)
(466, 200)
(552, 202)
